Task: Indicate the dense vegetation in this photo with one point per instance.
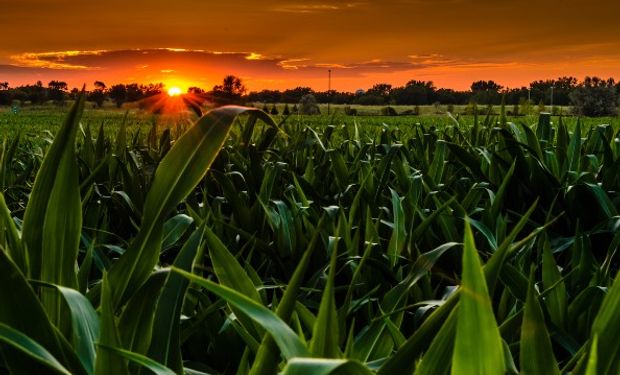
(591, 97)
(250, 247)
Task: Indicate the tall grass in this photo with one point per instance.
(242, 249)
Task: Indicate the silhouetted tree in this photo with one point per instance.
(230, 91)
(98, 94)
(595, 97)
(134, 92)
(295, 95)
(196, 91)
(415, 92)
(57, 91)
(118, 93)
(486, 92)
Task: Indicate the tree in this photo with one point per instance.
(196, 91)
(286, 111)
(57, 91)
(118, 93)
(380, 90)
(4, 85)
(230, 91)
(295, 95)
(134, 92)
(100, 85)
(98, 94)
(274, 110)
(415, 92)
(486, 92)
(485, 86)
(595, 97)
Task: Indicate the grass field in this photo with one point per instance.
(241, 244)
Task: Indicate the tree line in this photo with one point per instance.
(592, 96)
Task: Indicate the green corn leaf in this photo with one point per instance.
(25, 314)
(141, 360)
(556, 299)
(174, 229)
(267, 356)
(290, 345)
(325, 333)
(135, 325)
(399, 232)
(498, 201)
(13, 239)
(230, 274)
(52, 208)
(434, 361)
(536, 352)
(178, 173)
(321, 366)
(84, 324)
(605, 329)
(401, 361)
(592, 360)
(478, 346)
(109, 362)
(31, 348)
(166, 339)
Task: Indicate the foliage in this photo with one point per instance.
(229, 92)
(388, 111)
(308, 105)
(595, 97)
(250, 247)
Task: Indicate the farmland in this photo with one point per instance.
(239, 243)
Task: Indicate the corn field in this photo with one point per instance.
(244, 246)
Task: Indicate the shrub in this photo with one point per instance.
(308, 105)
(388, 111)
(594, 98)
(350, 111)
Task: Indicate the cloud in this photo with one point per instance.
(171, 60)
(315, 8)
(53, 60)
(196, 67)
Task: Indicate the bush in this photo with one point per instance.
(388, 111)
(471, 109)
(350, 111)
(594, 99)
(274, 110)
(308, 105)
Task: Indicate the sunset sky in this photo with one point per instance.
(283, 44)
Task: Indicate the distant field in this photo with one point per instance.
(37, 119)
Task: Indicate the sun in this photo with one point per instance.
(174, 91)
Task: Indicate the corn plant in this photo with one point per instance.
(262, 248)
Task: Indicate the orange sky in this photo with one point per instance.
(283, 44)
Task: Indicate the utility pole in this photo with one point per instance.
(552, 99)
(329, 88)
